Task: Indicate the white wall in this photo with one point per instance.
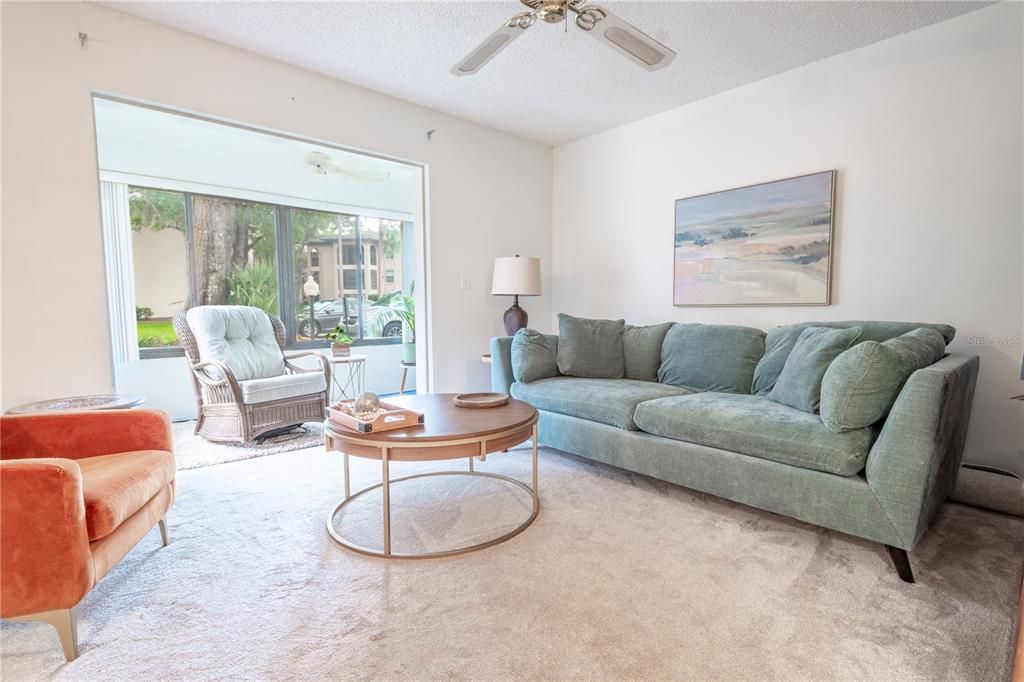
(925, 131)
(489, 192)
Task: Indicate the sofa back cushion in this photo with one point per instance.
(590, 348)
(534, 355)
(861, 385)
(799, 385)
(641, 347)
(780, 341)
(711, 357)
(238, 336)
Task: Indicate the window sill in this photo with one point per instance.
(178, 352)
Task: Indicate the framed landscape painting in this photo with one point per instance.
(767, 244)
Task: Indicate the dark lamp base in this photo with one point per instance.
(515, 318)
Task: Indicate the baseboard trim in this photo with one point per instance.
(1018, 659)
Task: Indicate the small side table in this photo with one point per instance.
(105, 401)
(405, 374)
(355, 381)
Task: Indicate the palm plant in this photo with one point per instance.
(254, 285)
(393, 306)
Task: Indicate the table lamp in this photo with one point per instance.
(516, 276)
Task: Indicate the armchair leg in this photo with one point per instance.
(902, 563)
(163, 531)
(65, 621)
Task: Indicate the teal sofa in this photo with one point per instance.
(883, 483)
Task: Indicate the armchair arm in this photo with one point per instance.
(915, 461)
(501, 364)
(217, 390)
(325, 365)
(45, 562)
(72, 435)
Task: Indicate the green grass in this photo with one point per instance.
(156, 333)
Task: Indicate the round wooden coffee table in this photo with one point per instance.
(448, 432)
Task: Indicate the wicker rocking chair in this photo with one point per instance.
(231, 403)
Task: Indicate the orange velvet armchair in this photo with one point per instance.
(78, 490)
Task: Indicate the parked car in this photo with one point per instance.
(342, 311)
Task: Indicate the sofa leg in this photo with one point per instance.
(65, 621)
(902, 563)
(163, 531)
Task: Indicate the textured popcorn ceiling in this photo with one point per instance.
(549, 85)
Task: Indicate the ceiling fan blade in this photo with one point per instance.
(494, 44)
(623, 37)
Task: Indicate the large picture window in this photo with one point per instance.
(196, 249)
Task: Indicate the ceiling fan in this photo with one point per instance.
(595, 20)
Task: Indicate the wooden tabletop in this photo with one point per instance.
(444, 421)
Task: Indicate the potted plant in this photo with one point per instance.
(394, 315)
(341, 343)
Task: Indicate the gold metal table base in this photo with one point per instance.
(385, 486)
(433, 555)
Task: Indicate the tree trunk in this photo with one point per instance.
(214, 239)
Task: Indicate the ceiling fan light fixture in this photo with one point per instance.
(595, 20)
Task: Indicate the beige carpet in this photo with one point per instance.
(193, 452)
(620, 577)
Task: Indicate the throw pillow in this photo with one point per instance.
(590, 348)
(711, 357)
(862, 384)
(534, 355)
(641, 347)
(799, 384)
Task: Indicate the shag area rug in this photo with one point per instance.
(192, 451)
(620, 577)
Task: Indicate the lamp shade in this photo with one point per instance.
(516, 276)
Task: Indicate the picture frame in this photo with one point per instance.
(765, 244)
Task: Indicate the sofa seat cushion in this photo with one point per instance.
(117, 486)
(608, 401)
(753, 425)
(257, 391)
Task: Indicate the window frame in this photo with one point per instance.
(285, 269)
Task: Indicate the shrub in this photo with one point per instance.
(254, 285)
(143, 312)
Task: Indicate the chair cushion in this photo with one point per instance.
(117, 486)
(285, 386)
(861, 385)
(241, 337)
(534, 355)
(753, 425)
(780, 341)
(609, 401)
(641, 349)
(711, 357)
(590, 348)
(799, 385)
